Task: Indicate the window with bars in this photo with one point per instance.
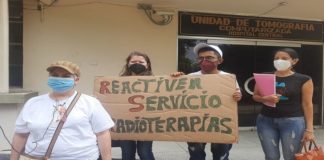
(15, 43)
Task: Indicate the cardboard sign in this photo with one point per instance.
(187, 108)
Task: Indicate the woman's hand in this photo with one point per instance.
(308, 135)
(274, 98)
(176, 74)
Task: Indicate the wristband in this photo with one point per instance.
(309, 131)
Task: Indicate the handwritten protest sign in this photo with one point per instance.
(188, 108)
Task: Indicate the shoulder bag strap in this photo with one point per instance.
(60, 125)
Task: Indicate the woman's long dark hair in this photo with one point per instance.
(126, 71)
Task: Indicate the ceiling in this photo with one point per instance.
(292, 9)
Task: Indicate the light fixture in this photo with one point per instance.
(157, 16)
(42, 5)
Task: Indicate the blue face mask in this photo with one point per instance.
(59, 84)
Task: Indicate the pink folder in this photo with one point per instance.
(266, 84)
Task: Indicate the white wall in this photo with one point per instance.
(98, 37)
(4, 47)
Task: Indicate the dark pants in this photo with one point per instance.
(144, 150)
(220, 151)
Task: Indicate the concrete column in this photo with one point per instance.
(4, 46)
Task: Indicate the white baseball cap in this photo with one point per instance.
(204, 45)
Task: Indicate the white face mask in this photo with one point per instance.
(281, 65)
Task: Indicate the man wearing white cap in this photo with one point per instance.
(209, 57)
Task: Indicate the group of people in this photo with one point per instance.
(86, 135)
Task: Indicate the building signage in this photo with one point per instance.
(216, 25)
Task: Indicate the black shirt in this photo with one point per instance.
(290, 104)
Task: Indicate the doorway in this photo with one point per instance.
(243, 58)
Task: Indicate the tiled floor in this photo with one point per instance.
(248, 148)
